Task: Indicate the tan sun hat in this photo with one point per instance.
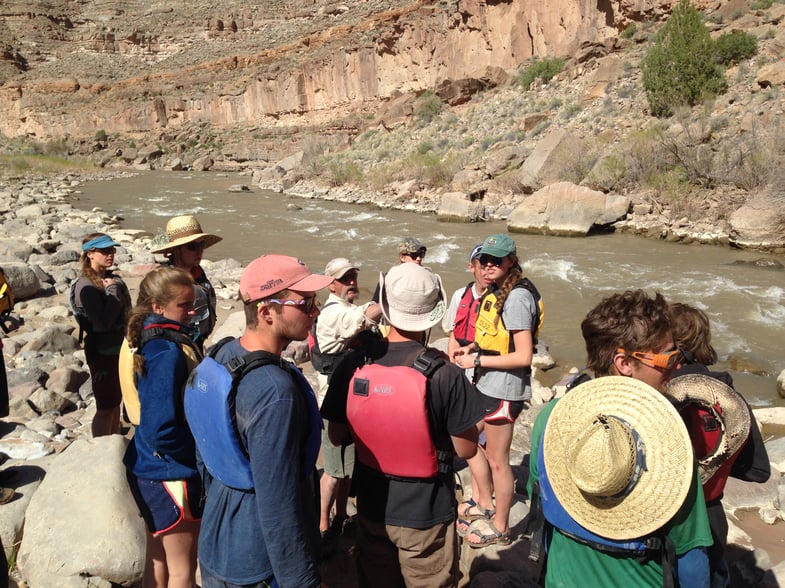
(181, 230)
(726, 406)
(618, 457)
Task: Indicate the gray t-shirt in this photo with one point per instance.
(518, 315)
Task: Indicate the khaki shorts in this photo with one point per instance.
(338, 460)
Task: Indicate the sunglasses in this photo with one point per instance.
(417, 254)
(307, 305)
(194, 246)
(665, 361)
(106, 250)
(347, 278)
(491, 260)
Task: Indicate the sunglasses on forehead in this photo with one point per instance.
(665, 361)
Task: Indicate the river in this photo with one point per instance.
(745, 302)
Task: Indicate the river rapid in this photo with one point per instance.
(745, 302)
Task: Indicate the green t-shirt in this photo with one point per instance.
(571, 563)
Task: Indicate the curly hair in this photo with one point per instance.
(160, 286)
(87, 269)
(692, 331)
(512, 278)
(632, 320)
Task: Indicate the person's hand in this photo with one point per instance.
(465, 361)
(460, 352)
(108, 282)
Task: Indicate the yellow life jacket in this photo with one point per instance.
(133, 406)
(490, 333)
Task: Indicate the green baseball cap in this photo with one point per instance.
(498, 245)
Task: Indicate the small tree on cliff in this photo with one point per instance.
(680, 69)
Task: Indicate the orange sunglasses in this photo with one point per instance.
(665, 361)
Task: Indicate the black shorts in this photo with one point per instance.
(105, 380)
(499, 412)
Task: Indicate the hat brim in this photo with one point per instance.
(208, 238)
(407, 321)
(663, 485)
(733, 415)
(310, 283)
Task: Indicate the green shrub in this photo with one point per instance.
(428, 107)
(733, 47)
(544, 69)
(100, 135)
(629, 31)
(761, 4)
(680, 68)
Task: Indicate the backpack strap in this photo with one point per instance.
(427, 363)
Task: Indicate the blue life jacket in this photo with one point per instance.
(210, 409)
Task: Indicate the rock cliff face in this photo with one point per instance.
(138, 67)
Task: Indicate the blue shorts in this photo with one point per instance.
(164, 504)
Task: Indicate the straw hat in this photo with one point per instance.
(725, 404)
(181, 230)
(619, 457)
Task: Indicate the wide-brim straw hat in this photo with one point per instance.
(603, 434)
(725, 404)
(181, 230)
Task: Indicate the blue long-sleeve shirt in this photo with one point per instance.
(162, 447)
(247, 537)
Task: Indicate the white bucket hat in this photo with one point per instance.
(618, 457)
(412, 297)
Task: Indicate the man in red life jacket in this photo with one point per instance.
(408, 411)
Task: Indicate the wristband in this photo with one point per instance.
(477, 361)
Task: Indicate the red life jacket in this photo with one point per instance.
(706, 433)
(466, 316)
(387, 413)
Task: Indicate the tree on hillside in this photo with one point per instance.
(680, 69)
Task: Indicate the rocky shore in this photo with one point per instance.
(73, 522)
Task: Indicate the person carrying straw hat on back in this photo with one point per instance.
(612, 468)
(183, 245)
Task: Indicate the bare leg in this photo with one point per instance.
(482, 481)
(106, 422)
(155, 572)
(328, 488)
(180, 547)
(498, 452)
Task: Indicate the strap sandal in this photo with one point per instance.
(488, 534)
(6, 495)
(481, 513)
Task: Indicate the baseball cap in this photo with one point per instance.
(475, 252)
(410, 245)
(338, 267)
(498, 245)
(270, 274)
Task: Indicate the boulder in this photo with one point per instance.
(458, 206)
(53, 338)
(566, 209)
(23, 279)
(535, 171)
(84, 529)
(758, 223)
(771, 74)
(747, 496)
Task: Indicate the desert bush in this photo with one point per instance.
(100, 135)
(761, 4)
(427, 107)
(544, 70)
(575, 159)
(680, 68)
(735, 46)
(430, 168)
(629, 31)
(342, 171)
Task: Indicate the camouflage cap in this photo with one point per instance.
(410, 245)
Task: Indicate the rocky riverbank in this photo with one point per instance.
(72, 521)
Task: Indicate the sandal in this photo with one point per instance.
(489, 535)
(465, 515)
